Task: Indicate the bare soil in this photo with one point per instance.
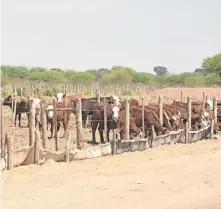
(195, 93)
(166, 177)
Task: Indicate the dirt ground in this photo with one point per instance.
(167, 177)
(21, 134)
(195, 93)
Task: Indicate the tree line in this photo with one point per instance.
(208, 74)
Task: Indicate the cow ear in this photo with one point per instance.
(64, 95)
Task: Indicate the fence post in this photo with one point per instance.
(174, 105)
(204, 102)
(212, 129)
(67, 147)
(14, 104)
(127, 122)
(189, 111)
(215, 109)
(186, 133)
(36, 147)
(114, 146)
(181, 96)
(153, 136)
(80, 136)
(10, 152)
(31, 122)
(1, 127)
(105, 121)
(44, 124)
(55, 124)
(143, 124)
(160, 109)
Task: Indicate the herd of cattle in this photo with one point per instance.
(174, 115)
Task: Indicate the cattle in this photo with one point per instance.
(115, 119)
(61, 96)
(88, 105)
(133, 102)
(62, 116)
(150, 118)
(22, 106)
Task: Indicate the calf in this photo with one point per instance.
(62, 116)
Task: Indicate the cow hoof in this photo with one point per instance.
(49, 137)
(93, 142)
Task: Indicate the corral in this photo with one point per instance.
(21, 139)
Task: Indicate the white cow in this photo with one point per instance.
(60, 96)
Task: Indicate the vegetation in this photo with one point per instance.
(208, 74)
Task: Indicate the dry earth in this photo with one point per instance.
(195, 93)
(172, 177)
(166, 177)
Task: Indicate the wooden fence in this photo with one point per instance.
(44, 89)
(37, 152)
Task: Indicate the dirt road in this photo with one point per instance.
(167, 177)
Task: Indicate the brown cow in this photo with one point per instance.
(22, 106)
(133, 102)
(150, 118)
(62, 116)
(166, 119)
(115, 119)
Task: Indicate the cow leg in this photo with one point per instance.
(51, 129)
(84, 119)
(94, 128)
(108, 135)
(101, 130)
(65, 124)
(19, 120)
(28, 119)
(58, 127)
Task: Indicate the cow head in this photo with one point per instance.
(8, 101)
(175, 121)
(36, 101)
(205, 119)
(50, 112)
(115, 100)
(136, 134)
(59, 96)
(209, 104)
(115, 111)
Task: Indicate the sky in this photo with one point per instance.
(93, 34)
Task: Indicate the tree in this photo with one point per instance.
(57, 69)
(15, 71)
(38, 69)
(174, 79)
(212, 64)
(141, 77)
(200, 70)
(160, 70)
